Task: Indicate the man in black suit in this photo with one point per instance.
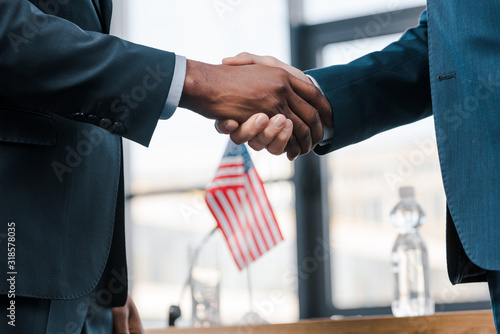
(68, 93)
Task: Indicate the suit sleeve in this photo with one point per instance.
(50, 65)
(379, 91)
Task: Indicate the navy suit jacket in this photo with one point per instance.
(68, 93)
(447, 66)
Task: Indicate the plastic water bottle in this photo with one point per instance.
(410, 261)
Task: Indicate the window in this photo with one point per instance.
(321, 11)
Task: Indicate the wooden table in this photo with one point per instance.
(477, 322)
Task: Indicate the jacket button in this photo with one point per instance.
(80, 117)
(93, 119)
(118, 128)
(105, 123)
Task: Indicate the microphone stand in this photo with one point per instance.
(174, 312)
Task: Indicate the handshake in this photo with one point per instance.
(259, 100)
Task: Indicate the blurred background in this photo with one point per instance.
(166, 209)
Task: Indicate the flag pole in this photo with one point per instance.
(249, 276)
(246, 253)
(251, 317)
(250, 292)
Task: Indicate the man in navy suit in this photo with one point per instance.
(447, 66)
(68, 93)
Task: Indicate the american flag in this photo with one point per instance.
(239, 203)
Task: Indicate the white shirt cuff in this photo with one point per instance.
(175, 92)
(327, 136)
(327, 132)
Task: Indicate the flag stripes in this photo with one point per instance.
(237, 199)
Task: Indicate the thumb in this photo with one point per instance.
(120, 320)
(226, 126)
(243, 58)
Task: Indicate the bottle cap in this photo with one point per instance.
(406, 192)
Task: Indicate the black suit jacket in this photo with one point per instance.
(68, 92)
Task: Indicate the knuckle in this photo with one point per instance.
(278, 105)
(271, 61)
(316, 119)
(237, 140)
(292, 154)
(292, 148)
(274, 150)
(304, 134)
(317, 124)
(280, 73)
(254, 145)
(268, 60)
(282, 86)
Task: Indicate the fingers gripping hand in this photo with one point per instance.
(274, 137)
(321, 104)
(235, 92)
(245, 132)
(238, 92)
(260, 132)
(246, 58)
(312, 109)
(292, 148)
(126, 319)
